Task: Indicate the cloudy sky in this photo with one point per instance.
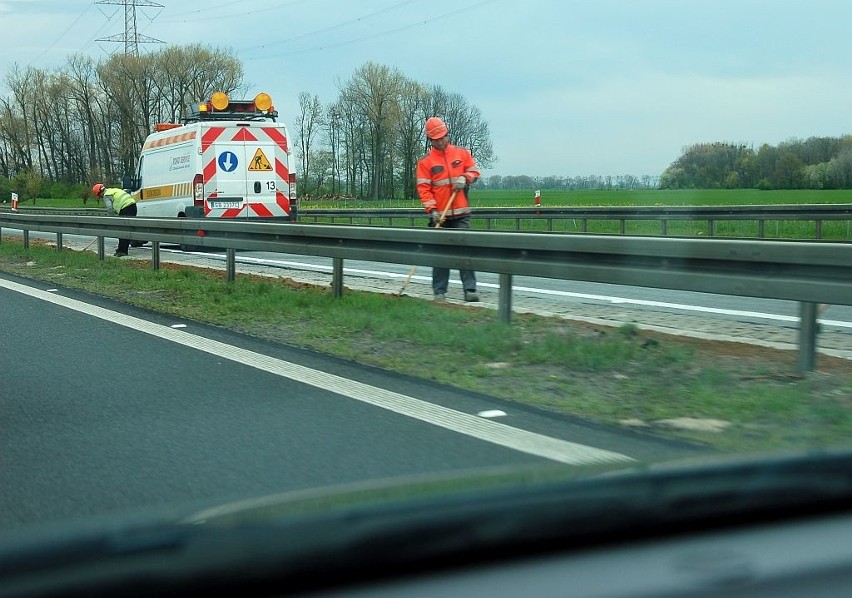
(568, 87)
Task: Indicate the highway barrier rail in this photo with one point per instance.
(577, 219)
(808, 272)
(765, 219)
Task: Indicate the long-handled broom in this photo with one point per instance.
(437, 225)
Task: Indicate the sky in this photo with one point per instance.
(568, 88)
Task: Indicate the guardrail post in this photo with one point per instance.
(231, 264)
(807, 337)
(101, 249)
(26, 238)
(504, 298)
(155, 255)
(58, 241)
(337, 276)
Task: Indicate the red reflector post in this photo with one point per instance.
(201, 233)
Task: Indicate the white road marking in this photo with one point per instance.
(492, 413)
(178, 326)
(450, 419)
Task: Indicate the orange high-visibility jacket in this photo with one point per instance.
(438, 171)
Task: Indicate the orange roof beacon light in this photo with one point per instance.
(219, 100)
(263, 101)
(220, 107)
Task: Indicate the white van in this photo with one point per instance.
(228, 159)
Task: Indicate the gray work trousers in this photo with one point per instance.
(441, 276)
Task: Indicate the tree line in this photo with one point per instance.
(626, 182)
(62, 130)
(86, 121)
(813, 163)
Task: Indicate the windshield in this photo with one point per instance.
(486, 254)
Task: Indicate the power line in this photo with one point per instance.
(58, 37)
(206, 10)
(333, 27)
(380, 33)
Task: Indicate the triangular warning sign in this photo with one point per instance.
(259, 162)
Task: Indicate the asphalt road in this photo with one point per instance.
(106, 409)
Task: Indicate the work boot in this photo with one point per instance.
(120, 253)
(471, 296)
(440, 297)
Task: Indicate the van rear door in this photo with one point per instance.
(241, 172)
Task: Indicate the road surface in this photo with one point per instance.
(106, 409)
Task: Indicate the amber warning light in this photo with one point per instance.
(220, 102)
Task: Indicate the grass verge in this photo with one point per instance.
(733, 397)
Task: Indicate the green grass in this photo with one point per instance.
(480, 197)
(653, 197)
(607, 375)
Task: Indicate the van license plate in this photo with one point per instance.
(225, 205)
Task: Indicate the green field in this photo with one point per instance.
(645, 197)
(561, 198)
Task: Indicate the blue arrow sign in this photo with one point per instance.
(228, 161)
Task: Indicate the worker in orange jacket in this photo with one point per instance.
(446, 172)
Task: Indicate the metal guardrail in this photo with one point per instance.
(807, 272)
(544, 219)
(519, 219)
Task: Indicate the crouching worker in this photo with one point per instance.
(118, 202)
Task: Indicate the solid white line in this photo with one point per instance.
(462, 423)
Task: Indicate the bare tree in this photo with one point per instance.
(374, 92)
(413, 101)
(21, 117)
(307, 126)
(83, 92)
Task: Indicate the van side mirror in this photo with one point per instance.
(128, 183)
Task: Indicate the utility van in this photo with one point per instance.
(227, 159)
